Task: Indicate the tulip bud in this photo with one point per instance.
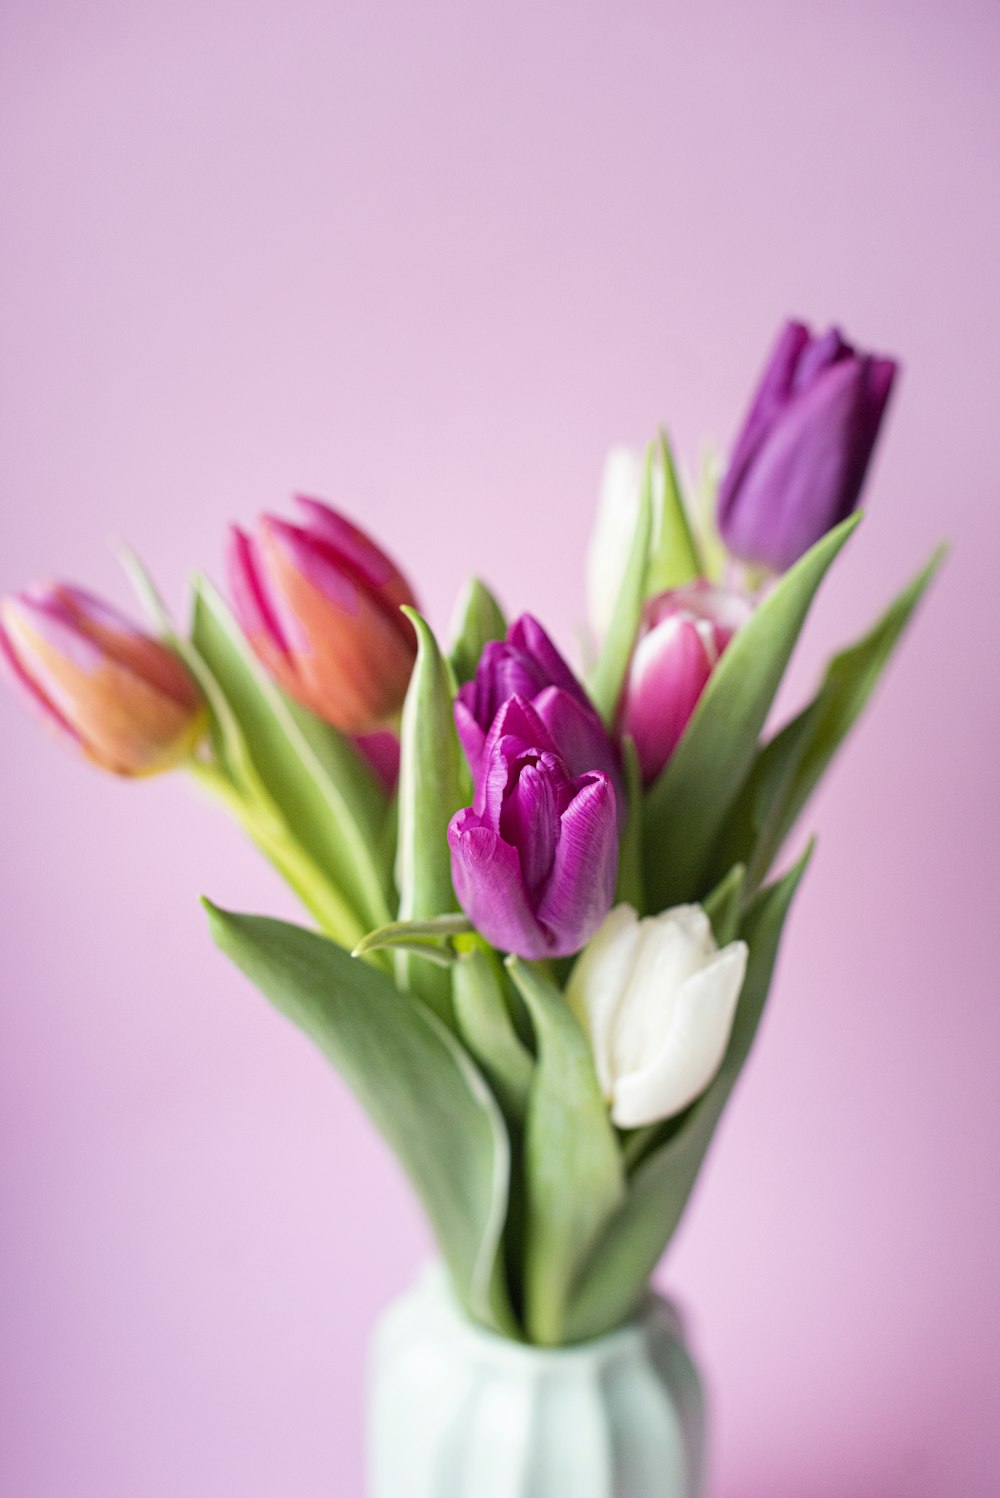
(683, 633)
(528, 665)
(658, 999)
(124, 699)
(319, 603)
(799, 463)
(535, 858)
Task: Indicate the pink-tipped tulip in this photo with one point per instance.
(320, 604)
(124, 700)
(683, 633)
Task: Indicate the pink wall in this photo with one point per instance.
(429, 261)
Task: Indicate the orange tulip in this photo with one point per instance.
(319, 603)
(125, 700)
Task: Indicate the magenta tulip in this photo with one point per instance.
(528, 665)
(534, 860)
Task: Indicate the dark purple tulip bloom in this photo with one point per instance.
(528, 665)
(800, 461)
(535, 858)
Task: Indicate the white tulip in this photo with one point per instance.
(658, 999)
(611, 539)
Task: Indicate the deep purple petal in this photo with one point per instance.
(581, 886)
(486, 873)
(470, 735)
(529, 821)
(773, 390)
(527, 635)
(581, 738)
(802, 480)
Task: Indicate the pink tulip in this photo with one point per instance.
(683, 633)
(319, 603)
(123, 699)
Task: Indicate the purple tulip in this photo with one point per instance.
(683, 633)
(800, 460)
(535, 858)
(528, 665)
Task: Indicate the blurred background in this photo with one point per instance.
(430, 262)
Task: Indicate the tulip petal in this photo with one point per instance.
(352, 549)
(598, 983)
(583, 744)
(670, 668)
(581, 886)
(527, 635)
(29, 689)
(772, 393)
(486, 873)
(692, 1048)
(529, 821)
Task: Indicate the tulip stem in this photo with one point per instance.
(320, 896)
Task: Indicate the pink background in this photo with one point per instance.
(430, 261)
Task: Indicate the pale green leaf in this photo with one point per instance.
(431, 790)
(674, 557)
(788, 769)
(574, 1178)
(418, 1085)
(478, 620)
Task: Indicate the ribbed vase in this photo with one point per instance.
(455, 1412)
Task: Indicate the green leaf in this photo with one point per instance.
(417, 1084)
(478, 620)
(688, 805)
(630, 890)
(674, 557)
(485, 1025)
(431, 790)
(608, 675)
(788, 769)
(573, 1167)
(618, 1268)
(723, 905)
(397, 933)
(327, 797)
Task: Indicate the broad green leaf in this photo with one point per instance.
(574, 1180)
(417, 1084)
(674, 557)
(615, 1276)
(689, 804)
(431, 790)
(788, 769)
(478, 620)
(329, 800)
(485, 1025)
(608, 675)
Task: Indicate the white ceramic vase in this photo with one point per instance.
(456, 1412)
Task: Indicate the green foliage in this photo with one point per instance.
(574, 1179)
(675, 557)
(688, 805)
(478, 620)
(487, 1028)
(788, 769)
(418, 1085)
(432, 787)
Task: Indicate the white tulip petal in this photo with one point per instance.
(598, 983)
(691, 1051)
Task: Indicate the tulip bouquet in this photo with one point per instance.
(545, 909)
